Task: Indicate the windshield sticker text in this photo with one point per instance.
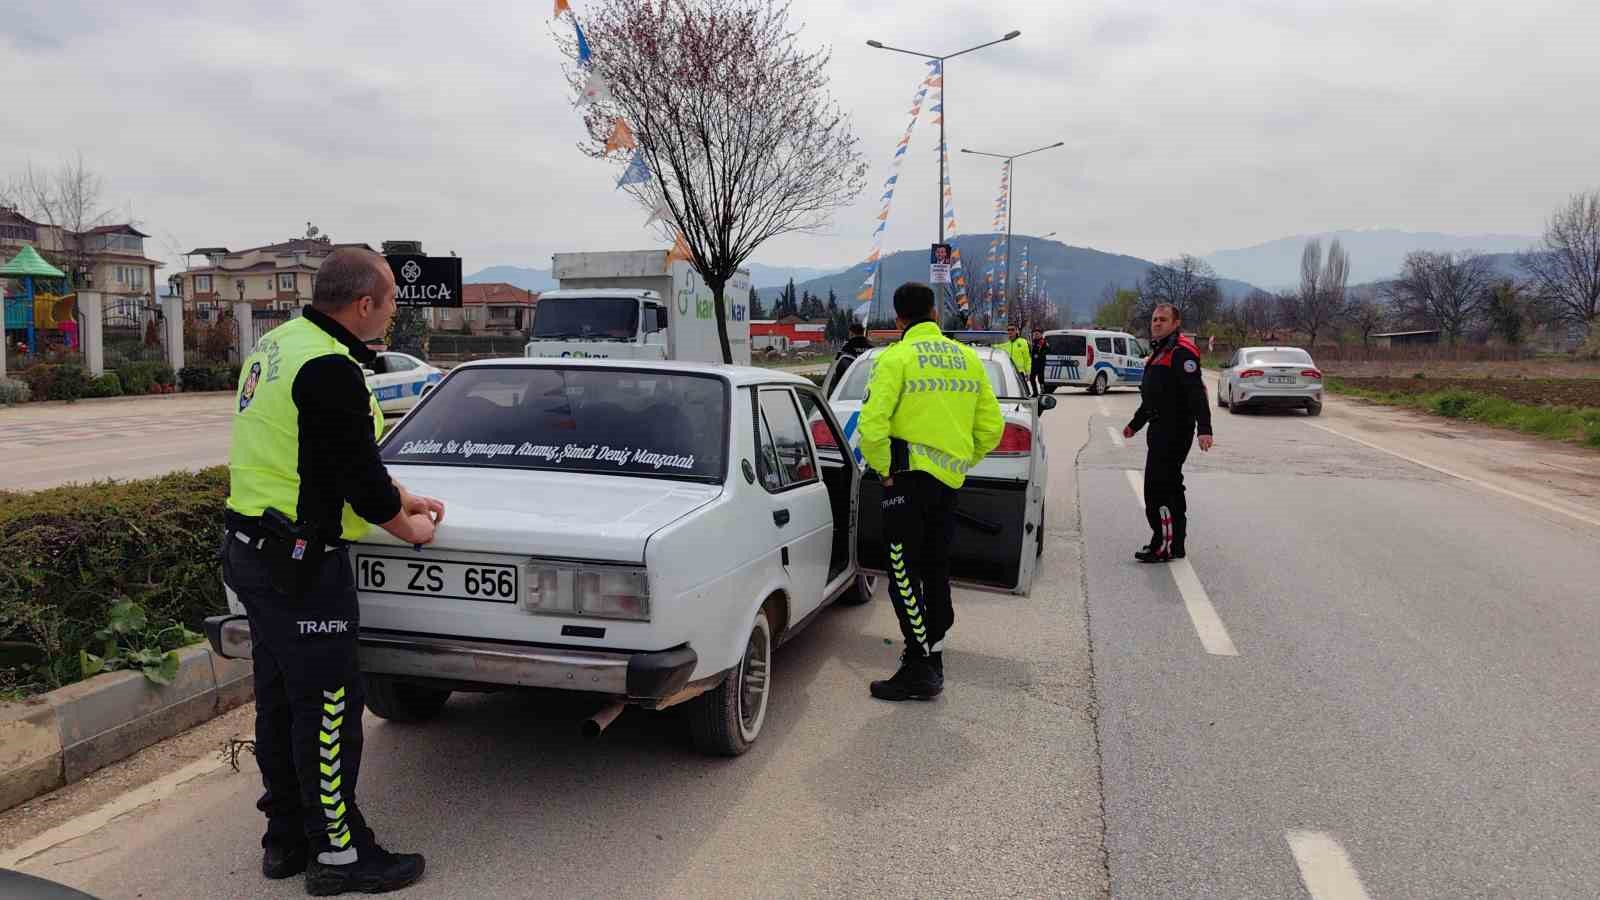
(550, 453)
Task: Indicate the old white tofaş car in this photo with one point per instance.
(644, 532)
(399, 380)
(1000, 508)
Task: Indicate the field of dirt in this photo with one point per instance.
(1546, 367)
(1569, 391)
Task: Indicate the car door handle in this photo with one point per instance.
(781, 517)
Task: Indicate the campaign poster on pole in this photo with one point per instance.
(939, 264)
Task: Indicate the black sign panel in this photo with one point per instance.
(426, 280)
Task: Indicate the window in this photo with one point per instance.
(1289, 357)
(825, 437)
(1066, 345)
(783, 451)
(285, 281)
(1121, 344)
(853, 388)
(202, 284)
(599, 421)
(587, 317)
(500, 313)
(1102, 344)
(394, 362)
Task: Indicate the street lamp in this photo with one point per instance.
(1012, 158)
(879, 45)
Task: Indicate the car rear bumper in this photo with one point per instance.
(1279, 398)
(639, 676)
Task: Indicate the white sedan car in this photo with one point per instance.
(1000, 512)
(1276, 377)
(399, 380)
(645, 533)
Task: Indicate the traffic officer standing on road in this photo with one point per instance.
(929, 415)
(1172, 399)
(1020, 352)
(305, 481)
(1038, 349)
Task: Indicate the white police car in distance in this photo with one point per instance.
(399, 380)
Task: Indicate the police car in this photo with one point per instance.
(1000, 511)
(399, 380)
(1092, 358)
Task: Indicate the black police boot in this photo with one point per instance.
(917, 679)
(376, 871)
(938, 662)
(282, 862)
(1151, 553)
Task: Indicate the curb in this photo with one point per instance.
(123, 398)
(50, 741)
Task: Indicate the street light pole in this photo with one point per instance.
(939, 194)
(1011, 160)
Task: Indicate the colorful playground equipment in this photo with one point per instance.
(34, 310)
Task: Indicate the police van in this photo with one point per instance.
(1093, 359)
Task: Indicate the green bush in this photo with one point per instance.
(1452, 403)
(75, 552)
(14, 391)
(107, 385)
(208, 378)
(39, 378)
(142, 377)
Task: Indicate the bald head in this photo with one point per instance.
(347, 275)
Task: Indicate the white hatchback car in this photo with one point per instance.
(1280, 377)
(1000, 516)
(399, 380)
(642, 532)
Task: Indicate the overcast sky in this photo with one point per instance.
(1188, 126)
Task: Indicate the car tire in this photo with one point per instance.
(1233, 407)
(1050, 389)
(1313, 408)
(1099, 386)
(1220, 404)
(856, 594)
(727, 720)
(400, 701)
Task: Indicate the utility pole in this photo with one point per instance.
(1011, 161)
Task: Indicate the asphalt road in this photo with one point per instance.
(1374, 676)
(49, 444)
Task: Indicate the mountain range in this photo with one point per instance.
(761, 276)
(1375, 254)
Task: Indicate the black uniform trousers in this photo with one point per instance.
(309, 701)
(1164, 504)
(919, 521)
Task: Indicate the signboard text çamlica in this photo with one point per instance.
(426, 280)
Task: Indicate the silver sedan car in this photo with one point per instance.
(1283, 377)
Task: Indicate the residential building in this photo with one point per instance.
(488, 308)
(278, 277)
(107, 258)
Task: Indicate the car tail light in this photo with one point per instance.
(1090, 361)
(1016, 440)
(1252, 373)
(606, 592)
(1311, 373)
(823, 435)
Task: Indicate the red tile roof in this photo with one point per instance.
(497, 292)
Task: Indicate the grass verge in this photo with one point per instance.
(1580, 425)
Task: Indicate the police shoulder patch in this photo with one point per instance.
(248, 391)
(1190, 366)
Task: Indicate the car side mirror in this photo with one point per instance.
(661, 318)
(367, 373)
(1046, 402)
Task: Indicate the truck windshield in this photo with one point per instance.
(593, 318)
(612, 421)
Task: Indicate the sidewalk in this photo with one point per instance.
(49, 444)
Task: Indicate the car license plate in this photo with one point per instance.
(1280, 379)
(442, 578)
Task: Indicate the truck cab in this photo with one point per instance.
(599, 324)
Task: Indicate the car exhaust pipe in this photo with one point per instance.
(602, 717)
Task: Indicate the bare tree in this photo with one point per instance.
(1367, 314)
(1447, 290)
(1311, 270)
(67, 199)
(1323, 285)
(1565, 269)
(733, 121)
(1257, 313)
(1188, 283)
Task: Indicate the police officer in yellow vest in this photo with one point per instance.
(305, 480)
(930, 414)
(1020, 352)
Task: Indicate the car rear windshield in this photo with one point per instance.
(593, 318)
(1065, 344)
(616, 422)
(854, 387)
(1289, 356)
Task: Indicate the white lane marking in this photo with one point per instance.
(160, 789)
(1105, 408)
(1207, 624)
(1116, 436)
(1325, 868)
(1534, 501)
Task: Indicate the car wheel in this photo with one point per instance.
(1313, 408)
(1099, 386)
(726, 720)
(400, 701)
(1233, 406)
(1050, 389)
(1220, 404)
(858, 593)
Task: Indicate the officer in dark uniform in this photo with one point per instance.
(305, 481)
(1172, 399)
(854, 347)
(1038, 348)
